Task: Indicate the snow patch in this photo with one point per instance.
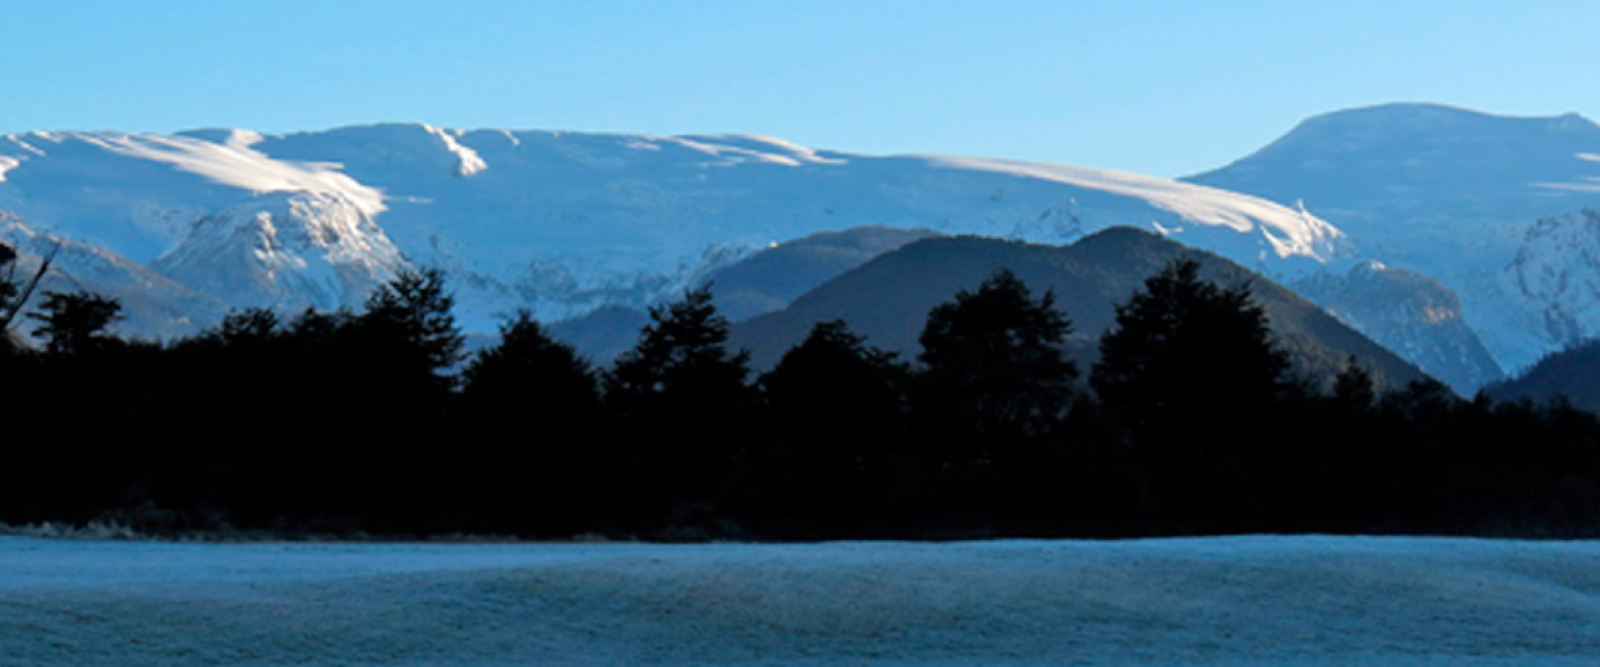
(761, 150)
(236, 164)
(7, 163)
(469, 161)
(24, 145)
(1585, 185)
(1290, 232)
(243, 139)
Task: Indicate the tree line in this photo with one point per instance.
(376, 422)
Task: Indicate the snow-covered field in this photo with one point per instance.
(1212, 601)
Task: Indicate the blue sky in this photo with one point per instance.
(1162, 88)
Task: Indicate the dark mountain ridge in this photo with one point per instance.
(888, 298)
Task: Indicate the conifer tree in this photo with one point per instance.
(1184, 350)
(681, 360)
(75, 322)
(994, 371)
(414, 310)
(1191, 372)
(836, 408)
(529, 420)
(681, 396)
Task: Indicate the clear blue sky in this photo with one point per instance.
(1163, 88)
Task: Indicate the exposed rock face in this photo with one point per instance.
(1411, 314)
(1556, 274)
(285, 251)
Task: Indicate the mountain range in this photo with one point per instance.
(1469, 226)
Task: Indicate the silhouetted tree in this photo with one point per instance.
(413, 311)
(1353, 391)
(835, 409)
(74, 322)
(9, 288)
(995, 376)
(681, 360)
(682, 398)
(530, 371)
(834, 389)
(251, 327)
(1191, 371)
(15, 291)
(530, 424)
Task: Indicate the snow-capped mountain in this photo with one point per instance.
(1555, 276)
(1409, 313)
(1455, 195)
(563, 222)
(288, 250)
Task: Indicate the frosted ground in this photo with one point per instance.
(1213, 601)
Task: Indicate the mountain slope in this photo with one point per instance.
(153, 306)
(1409, 313)
(1447, 192)
(1572, 374)
(769, 279)
(557, 222)
(1425, 164)
(888, 298)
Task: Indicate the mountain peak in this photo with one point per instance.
(1410, 118)
(1425, 159)
(1429, 128)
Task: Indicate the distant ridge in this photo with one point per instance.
(888, 298)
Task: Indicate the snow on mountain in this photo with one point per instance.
(1301, 235)
(1446, 192)
(1555, 277)
(139, 194)
(153, 306)
(285, 250)
(233, 162)
(564, 222)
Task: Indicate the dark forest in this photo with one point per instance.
(375, 423)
